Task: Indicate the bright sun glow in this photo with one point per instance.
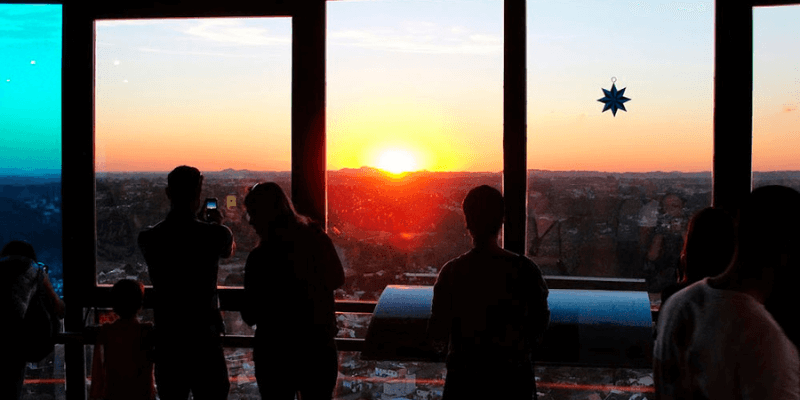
(397, 161)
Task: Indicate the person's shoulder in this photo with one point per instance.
(452, 266)
(525, 264)
(151, 231)
(697, 301)
(695, 293)
(222, 229)
(461, 261)
(313, 231)
(17, 265)
(259, 252)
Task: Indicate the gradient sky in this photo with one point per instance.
(423, 77)
(30, 88)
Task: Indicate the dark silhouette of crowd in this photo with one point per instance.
(726, 327)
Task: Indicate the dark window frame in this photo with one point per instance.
(732, 123)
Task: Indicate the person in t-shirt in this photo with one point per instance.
(716, 340)
(490, 306)
(122, 365)
(182, 254)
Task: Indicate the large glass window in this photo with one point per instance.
(30, 134)
(414, 121)
(776, 96)
(30, 152)
(415, 112)
(210, 93)
(610, 194)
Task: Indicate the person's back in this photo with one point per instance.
(491, 301)
(291, 266)
(125, 361)
(122, 364)
(296, 265)
(182, 255)
(715, 338)
(491, 306)
(722, 344)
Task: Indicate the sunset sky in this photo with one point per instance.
(419, 82)
(30, 89)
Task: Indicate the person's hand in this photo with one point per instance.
(214, 216)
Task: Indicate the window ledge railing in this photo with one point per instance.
(368, 307)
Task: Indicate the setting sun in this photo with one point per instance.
(397, 161)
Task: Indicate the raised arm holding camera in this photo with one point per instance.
(182, 254)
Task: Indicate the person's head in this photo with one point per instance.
(484, 208)
(709, 245)
(126, 298)
(184, 185)
(769, 233)
(18, 248)
(269, 208)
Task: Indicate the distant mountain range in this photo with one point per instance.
(15, 176)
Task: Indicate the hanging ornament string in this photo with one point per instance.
(614, 99)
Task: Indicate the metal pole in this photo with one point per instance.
(308, 110)
(77, 175)
(733, 103)
(515, 180)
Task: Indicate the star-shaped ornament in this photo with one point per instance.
(614, 99)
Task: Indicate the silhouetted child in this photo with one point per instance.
(122, 367)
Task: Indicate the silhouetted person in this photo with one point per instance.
(707, 249)
(23, 280)
(783, 302)
(716, 339)
(182, 254)
(492, 306)
(289, 282)
(122, 365)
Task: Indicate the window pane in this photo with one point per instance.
(30, 153)
(414, 121)
(211, 93)
(611, 195)
(776, 96)
(415, 108)
(30, 134)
